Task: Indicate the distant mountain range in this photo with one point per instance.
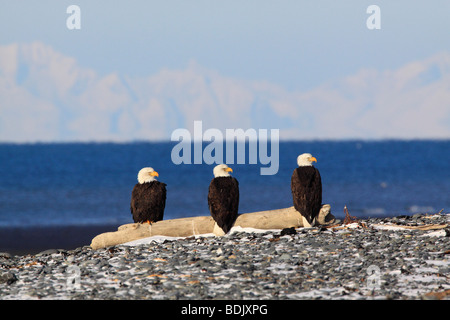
(47, 96)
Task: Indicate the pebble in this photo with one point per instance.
(306, 263)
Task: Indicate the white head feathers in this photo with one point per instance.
(305, 160)
(222, 170)
(147, 175)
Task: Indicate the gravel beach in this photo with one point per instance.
(377, 258)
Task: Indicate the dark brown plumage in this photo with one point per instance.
(223, 201)
(148, 201)
(306, 187)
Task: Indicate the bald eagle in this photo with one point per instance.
(306, 187)
(223, 198)
(148, 198)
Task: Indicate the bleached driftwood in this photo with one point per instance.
(185, 227)
(425, 227)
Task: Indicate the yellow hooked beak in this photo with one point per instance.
(229, 170)
(154, 174)
(313, 159)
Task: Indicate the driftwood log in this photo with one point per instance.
(185, 227)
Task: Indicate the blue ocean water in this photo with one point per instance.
(91, 183)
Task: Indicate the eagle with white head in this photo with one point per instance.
(148, 198)
(306, 187)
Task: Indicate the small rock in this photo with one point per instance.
(5, 255)
(285, 257)
(8, 278)
(287, 231)
(47, 252)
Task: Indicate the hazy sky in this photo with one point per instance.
(297, 45)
